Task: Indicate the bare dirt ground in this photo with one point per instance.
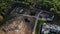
(18, 26)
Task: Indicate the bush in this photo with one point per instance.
(1, 17)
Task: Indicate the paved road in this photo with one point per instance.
(37, 18)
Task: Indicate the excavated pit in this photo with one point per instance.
(19, 25)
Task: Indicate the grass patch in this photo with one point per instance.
(5, 20)
(40, 22)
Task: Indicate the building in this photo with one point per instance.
(46, 15)
(50, 29)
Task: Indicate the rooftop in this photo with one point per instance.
(50, 29)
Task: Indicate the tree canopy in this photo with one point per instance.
(51, 5)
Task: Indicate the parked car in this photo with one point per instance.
(19, 10)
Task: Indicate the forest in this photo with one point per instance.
(49, 5)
